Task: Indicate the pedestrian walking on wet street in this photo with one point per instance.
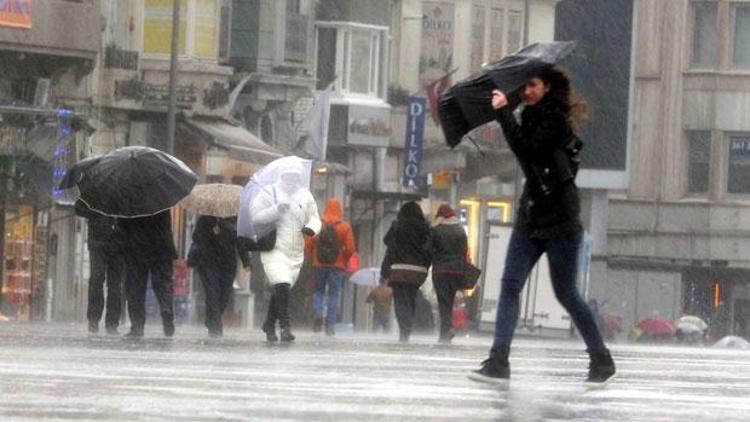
(107, 266)
(406, 263)
(548, 221)
(214, 255)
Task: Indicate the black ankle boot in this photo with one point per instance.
(270, 330)
(286, 335)
(495, 369)
(601, 367)
(317, 325)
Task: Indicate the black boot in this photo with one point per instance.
(601, 368)
(495, 369)
(330, 330)
(286, 335)
(270, 330)
(167, 322)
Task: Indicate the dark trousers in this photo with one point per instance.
(562, 253)
(404, 300)
(381, 320)
(217, 285)
(106, 266)
(136, 284)
(446, 286)
(278, 308)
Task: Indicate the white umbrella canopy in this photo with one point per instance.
(262, 180)
(213, 199)
(366, 277)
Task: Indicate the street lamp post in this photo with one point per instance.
(172, 107)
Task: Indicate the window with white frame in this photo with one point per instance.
(705, 48)
(741, 35)
(353, 53)
(738, 180)
(699, 160)
(197, 30)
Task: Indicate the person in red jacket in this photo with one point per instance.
(330, 251)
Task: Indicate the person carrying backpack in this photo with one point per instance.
(330, 251)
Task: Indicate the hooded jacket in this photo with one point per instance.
(409, 244)
(449, 246)
(332, 216)
(547, 151)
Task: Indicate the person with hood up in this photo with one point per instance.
(406, 263)
(216, 247)
(330, 250)
(548, 218)
(106, 264)
(150, 251)
(292, 209)
(449, 248)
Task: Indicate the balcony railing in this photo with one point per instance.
(117, 58)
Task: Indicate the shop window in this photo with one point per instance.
(738, 180)
(699, 159)
(741, 35)
(296, 35)
(705, 35)
(197, 31)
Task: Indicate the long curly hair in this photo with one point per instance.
(562, 92)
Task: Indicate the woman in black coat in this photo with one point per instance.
(214, 254)
(407, 260)
(548, 220)
(449, 247)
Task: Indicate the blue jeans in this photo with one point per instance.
(333, 278)
(562, 253)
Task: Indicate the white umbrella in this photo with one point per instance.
(262, 180)
(732, 342)
(366, 277)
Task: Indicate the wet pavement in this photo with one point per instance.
(57, 372)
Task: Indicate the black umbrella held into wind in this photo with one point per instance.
(134, 182)
(468, 103)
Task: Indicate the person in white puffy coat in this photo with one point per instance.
(292, 208)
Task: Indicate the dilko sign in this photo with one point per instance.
(414, 137)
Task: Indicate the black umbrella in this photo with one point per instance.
(134, 182)
(468, 103)
(74, 175)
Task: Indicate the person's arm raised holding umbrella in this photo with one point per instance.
(548, 220)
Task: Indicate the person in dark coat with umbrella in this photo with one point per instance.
(150, 251)
(449, 247)
(407, 260)
(214, 254)
(548, 219)
(106, 265)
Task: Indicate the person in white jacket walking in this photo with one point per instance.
(292, 208)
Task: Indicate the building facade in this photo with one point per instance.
(678, 234)
(48, 50)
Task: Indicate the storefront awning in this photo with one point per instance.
(241, 143)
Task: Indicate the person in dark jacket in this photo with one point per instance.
(150, 251)
(449, 247)
(407, 260)
(106, 264)
(215, 248)
(548, 221)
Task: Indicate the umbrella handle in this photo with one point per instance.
(471, 138)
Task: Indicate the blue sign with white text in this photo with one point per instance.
(416, 111)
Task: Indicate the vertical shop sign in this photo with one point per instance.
(414, 136)
(436, 55)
